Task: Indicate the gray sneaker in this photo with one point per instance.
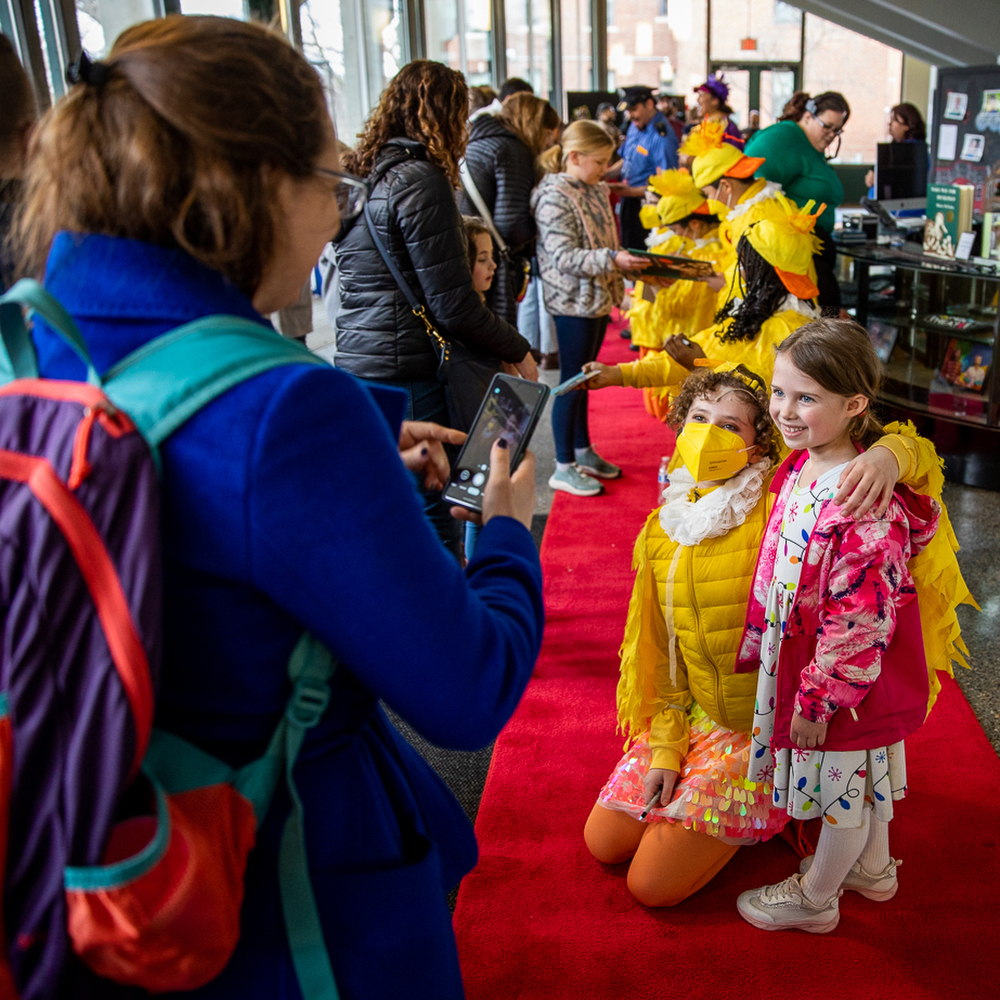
(593, 465)
(880, 886)
(785, 906)
(573, 481)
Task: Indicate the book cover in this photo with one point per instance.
(991, 236)
(966, 364)
(678, 267)
(883, 337)
(949, 214)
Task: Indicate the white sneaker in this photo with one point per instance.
(572, 480)
(785, 906)
(880, 886)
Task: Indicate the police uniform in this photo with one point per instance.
(643, 151)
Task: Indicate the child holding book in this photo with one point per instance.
(833, 623)
(582, 266)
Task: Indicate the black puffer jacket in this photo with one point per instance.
(378, 337)
(504, 172)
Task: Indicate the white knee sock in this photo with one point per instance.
(837, 850)
(875, 856)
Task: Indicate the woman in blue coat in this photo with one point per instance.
(190, 175)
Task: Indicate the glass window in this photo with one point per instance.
(577, 51)
(774, 31)
(101, 21)
(868, 73)
(353, 75)
(529, 43)
(458, 33)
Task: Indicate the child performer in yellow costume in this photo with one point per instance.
(771, 297)
(678, 804)
(685, 223)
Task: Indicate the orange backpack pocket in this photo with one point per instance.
(163, 911)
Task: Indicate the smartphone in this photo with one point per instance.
(510, 408)
(571, 383)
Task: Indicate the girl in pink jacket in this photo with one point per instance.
(832, 622)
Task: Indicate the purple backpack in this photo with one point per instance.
(81, 634)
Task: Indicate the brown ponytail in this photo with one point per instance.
(181, 144)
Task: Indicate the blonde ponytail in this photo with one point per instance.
(584, 137)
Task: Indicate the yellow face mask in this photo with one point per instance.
(711, 452)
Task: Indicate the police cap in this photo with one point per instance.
(631, 96)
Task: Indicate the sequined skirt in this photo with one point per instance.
(712, 794)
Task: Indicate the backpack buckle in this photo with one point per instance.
(308, 703)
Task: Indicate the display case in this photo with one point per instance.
(934, 324)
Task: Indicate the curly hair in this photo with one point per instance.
(763, 293)
(702, 383)
(426, 102)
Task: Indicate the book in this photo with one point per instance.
(991, 236)
(883, 336)
(949, 214)
(680, 268)
(966, 364)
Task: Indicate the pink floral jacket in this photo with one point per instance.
(852, 652)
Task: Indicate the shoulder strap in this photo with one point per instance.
(418, 309)
(473, 192)
(165, 382)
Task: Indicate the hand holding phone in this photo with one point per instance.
(510, 411)
(573, 382)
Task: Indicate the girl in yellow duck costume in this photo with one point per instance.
(679, 804)
(683, 222)
(771, 298)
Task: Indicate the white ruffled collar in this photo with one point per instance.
(769, 190)
(688, 521)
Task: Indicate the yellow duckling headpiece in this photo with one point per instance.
(679, 198)
(715, 156)
(784, 237)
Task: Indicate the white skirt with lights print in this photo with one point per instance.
(832, 785)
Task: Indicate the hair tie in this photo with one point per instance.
(92, 74)
(811, 107)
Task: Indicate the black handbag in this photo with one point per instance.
(465, 375)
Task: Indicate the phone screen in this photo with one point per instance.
(510, 410)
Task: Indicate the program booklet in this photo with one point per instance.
(676, 266)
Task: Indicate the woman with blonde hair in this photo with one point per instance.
(194, 173)
(581, 263)
(501, 160)
(409, 154)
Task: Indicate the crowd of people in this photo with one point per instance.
(195, 172)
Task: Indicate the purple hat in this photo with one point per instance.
(714, 85)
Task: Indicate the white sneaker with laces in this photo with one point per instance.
(785, 906)
(879, 886)
(572, 480)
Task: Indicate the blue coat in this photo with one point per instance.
(285, 507)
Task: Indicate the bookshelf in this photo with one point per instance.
(936, 326)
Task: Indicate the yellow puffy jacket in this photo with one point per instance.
(658, 370)
(685, 306)
(711, 585)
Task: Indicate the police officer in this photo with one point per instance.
(650, 143)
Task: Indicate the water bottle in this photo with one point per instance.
(662, 479)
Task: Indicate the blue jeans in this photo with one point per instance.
(580, 338)
(427, 402)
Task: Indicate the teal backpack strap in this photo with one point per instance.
(16, 339)
(179, 766)
(165, 382)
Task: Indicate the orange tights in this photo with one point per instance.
(669, 862)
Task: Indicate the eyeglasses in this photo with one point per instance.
(830, 128)
(351, 193)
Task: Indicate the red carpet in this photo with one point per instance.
(540, 918)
